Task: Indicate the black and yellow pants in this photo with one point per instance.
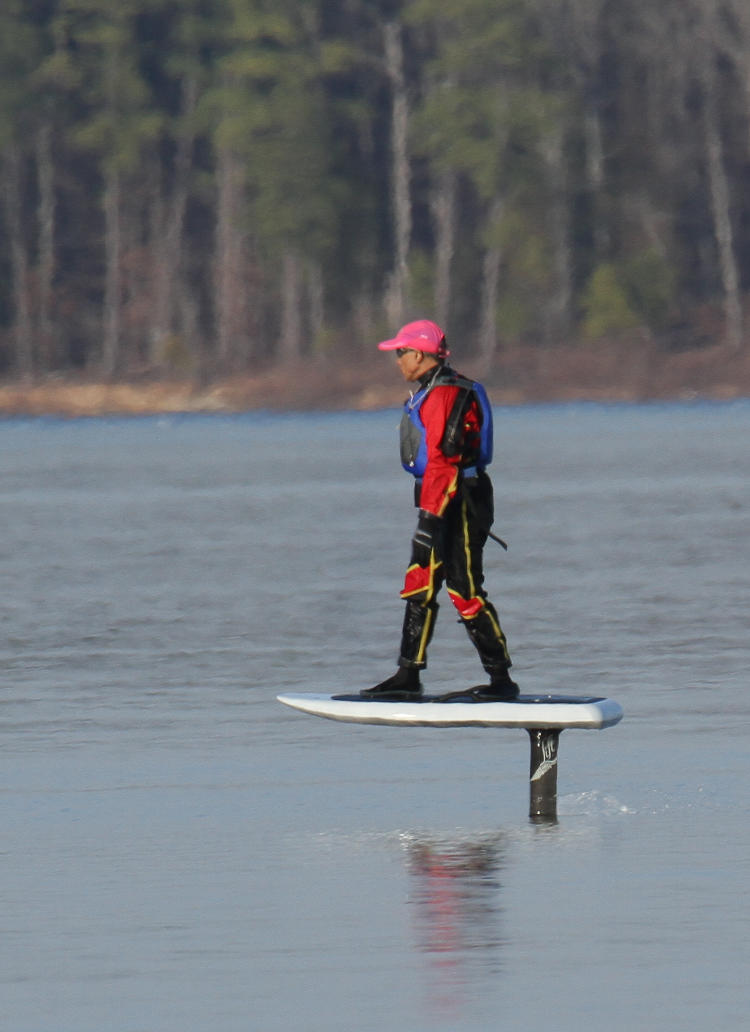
(456, 561)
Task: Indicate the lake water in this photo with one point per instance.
(180, 852)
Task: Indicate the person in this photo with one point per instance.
(446, 444)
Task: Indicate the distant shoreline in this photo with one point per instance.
(621, 373)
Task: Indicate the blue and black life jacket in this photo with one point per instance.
(414, 436)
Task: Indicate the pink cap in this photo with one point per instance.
(422, 335)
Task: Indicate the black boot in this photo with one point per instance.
(419, 624)
(404, 684)
(500, 689)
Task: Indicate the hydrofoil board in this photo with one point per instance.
(527, 711)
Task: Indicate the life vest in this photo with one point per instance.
(414, 436)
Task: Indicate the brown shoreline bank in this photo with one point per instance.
(622, 374)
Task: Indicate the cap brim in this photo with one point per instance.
(413, 345)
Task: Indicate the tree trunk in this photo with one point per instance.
(169, 245)
(444, 218)
(737, 44)
(229, 290)
(290, 344)
(397, 288)
(112, 293)
(592, 129)
(188, 328)
(317, 304)
(364, 317)
(560, 300)
(46, 213)
(490, 290)
(22, 336)
(721, 209)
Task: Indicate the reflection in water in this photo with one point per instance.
(457, 914)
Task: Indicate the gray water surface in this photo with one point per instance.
(179, 852)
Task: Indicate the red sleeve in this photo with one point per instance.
(441, 473)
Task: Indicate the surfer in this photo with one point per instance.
(446, 444)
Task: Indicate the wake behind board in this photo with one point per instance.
(528, 711)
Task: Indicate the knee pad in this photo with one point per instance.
(467, 608)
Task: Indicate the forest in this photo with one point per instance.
(201, 188)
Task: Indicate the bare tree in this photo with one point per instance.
(397, 289)
(316, 293)
(706, 46)
(443, 206)
(170, 230)
(490, 285)
(46, 217)
(230, 291)
(22, 332)
(721, 211)
(692, 30)
(290, 344)
(558, 305)
(112, 280)
(583, 38)
(735, 40)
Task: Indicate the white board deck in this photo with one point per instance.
(528, 711)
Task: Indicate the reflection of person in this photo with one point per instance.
(446, 443)
(456, 892)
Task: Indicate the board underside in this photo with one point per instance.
(528, 711)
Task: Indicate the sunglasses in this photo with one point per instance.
(400, 352)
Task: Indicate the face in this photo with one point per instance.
(412, 364)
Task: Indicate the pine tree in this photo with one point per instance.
(272, 138)
(20, 53)
(118, 125)
(483, 119)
